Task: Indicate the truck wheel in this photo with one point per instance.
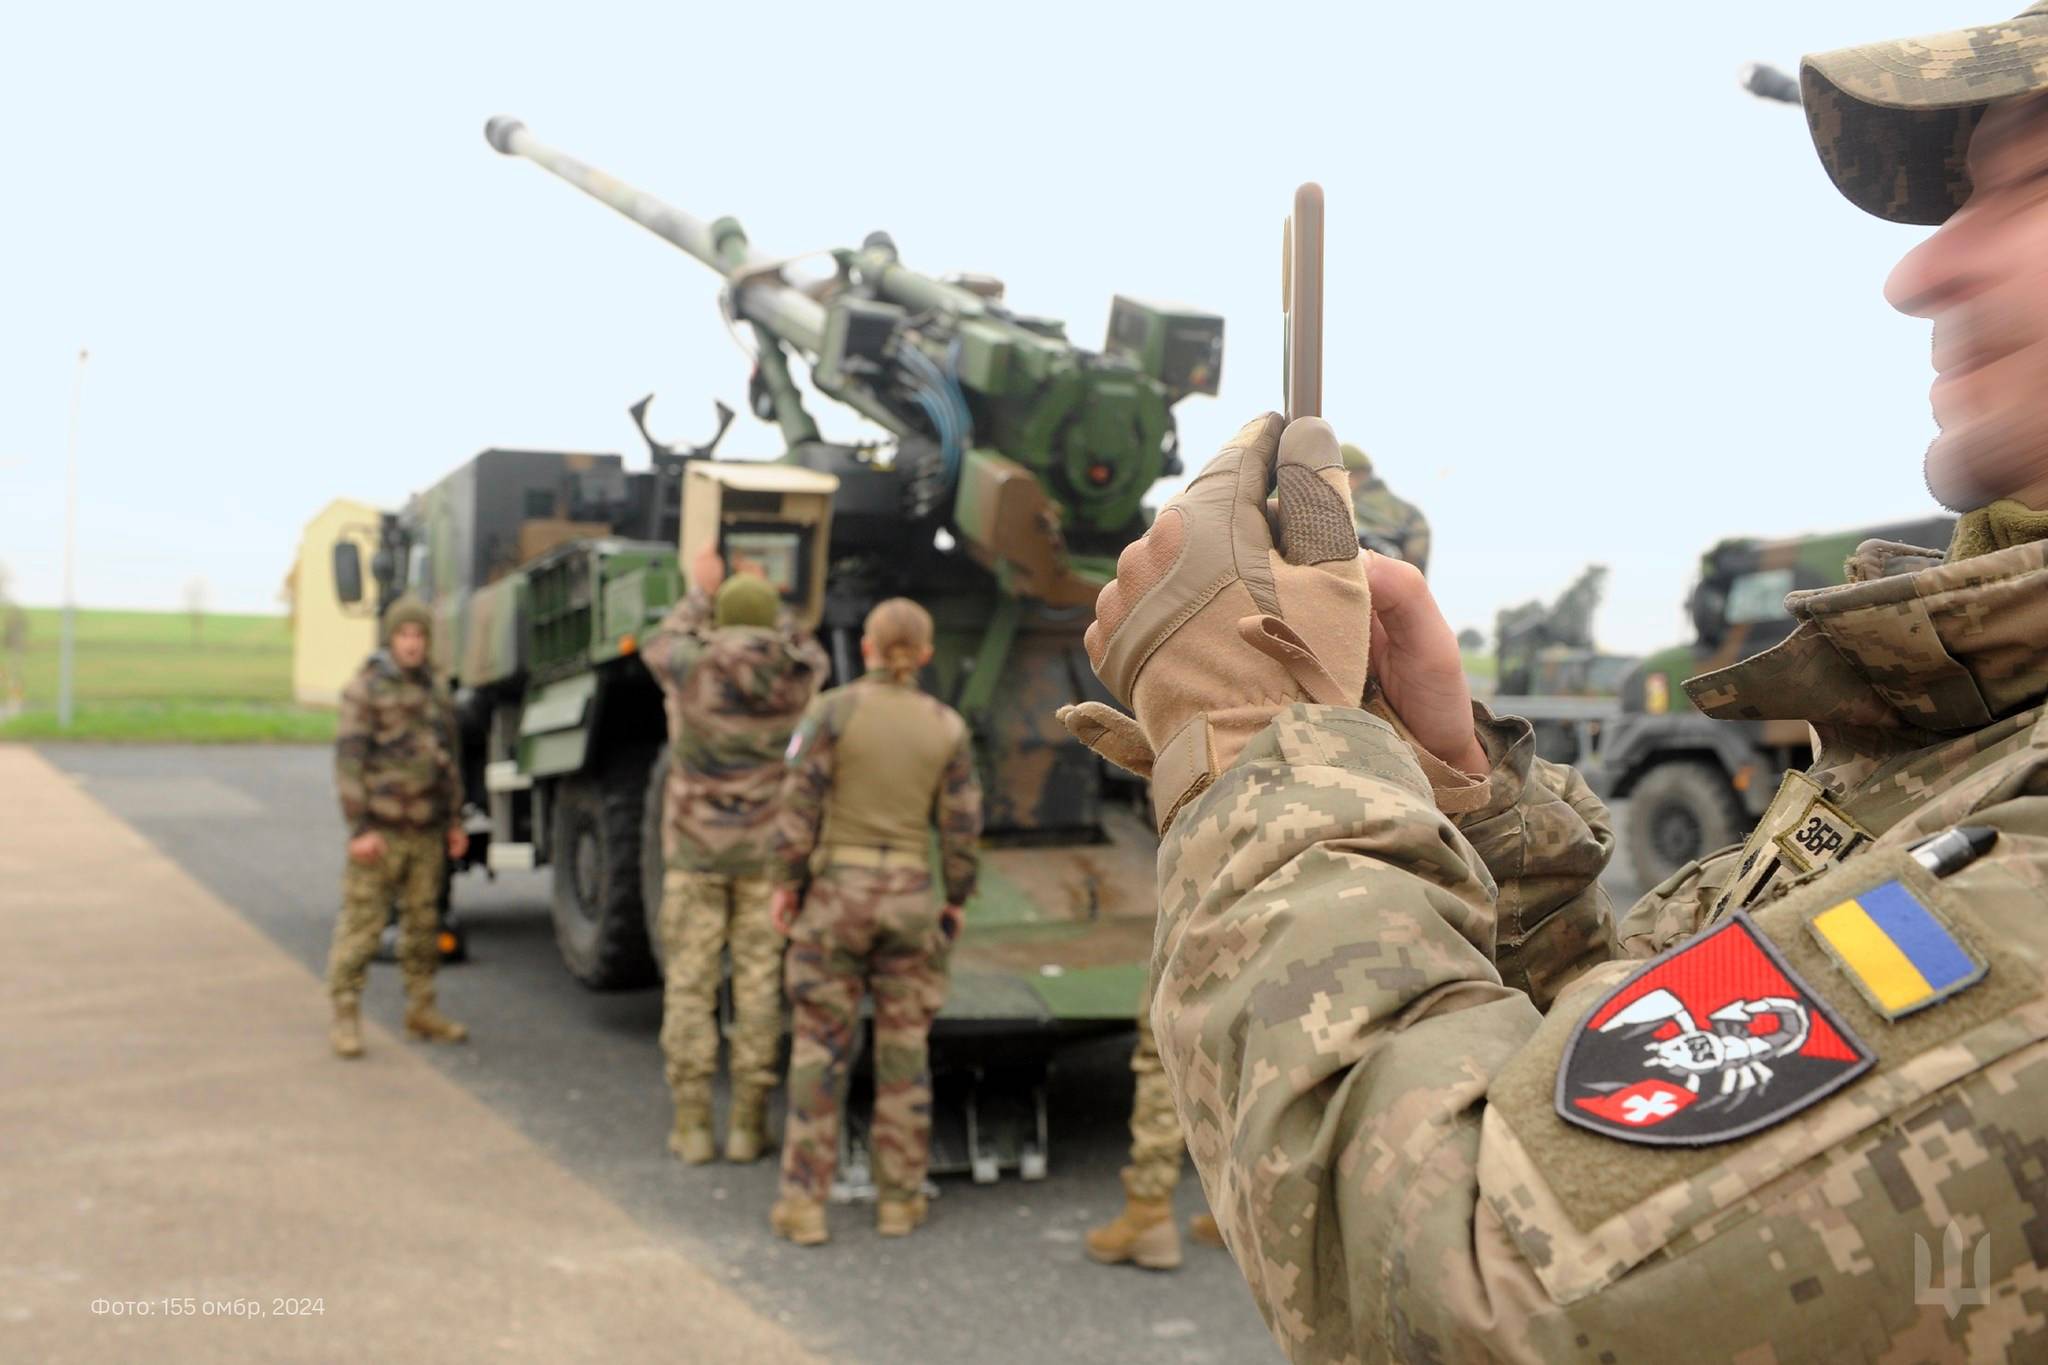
(600, 925)
(1679, 812)
(652, 863)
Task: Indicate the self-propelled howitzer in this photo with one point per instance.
(1011, 474)
(1034, 452)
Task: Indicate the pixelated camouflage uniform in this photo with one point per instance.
(733, 696)
(397, 769)
(1385, 523)
(1359, 1011)
(876, 766)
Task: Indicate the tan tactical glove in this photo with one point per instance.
(1209, 629)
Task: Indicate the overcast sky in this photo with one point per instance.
(1588, 301)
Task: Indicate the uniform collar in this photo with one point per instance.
(1932, 652)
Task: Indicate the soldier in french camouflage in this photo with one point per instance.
(735, 682)
(1796, 1107)
(1386, 524)
(874, 767)
(398, 770)
(1143, 1234)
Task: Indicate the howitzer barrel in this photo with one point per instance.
(722, 245)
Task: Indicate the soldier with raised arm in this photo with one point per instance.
(735, 680)
(1799, 1111)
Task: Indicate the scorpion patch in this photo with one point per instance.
(1710, 1041)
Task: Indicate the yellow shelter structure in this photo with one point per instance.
(329, 641)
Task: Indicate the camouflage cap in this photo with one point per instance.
(747, 600)
(1355, 458)
(1892, 121)
(407, 610)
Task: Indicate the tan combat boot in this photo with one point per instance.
(1202, 1227)
(899, 1217)
(1144, 1234)
(691, 1139)
(346, 1033)
(746, 1131)
(428, 1024)
(800, 1219)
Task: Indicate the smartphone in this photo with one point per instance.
(1301, 304)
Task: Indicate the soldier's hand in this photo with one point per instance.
(458, 842)
(783, 905)
(1417, 666)
(367, 848)
(707, 570)
(1229, 609)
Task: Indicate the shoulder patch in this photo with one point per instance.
(1708, 1042)
(1898, 951)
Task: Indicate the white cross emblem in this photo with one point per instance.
(1648, 1108)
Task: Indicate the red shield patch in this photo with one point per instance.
(1713, 1040)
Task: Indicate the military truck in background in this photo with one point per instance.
(1695, 784)
(1009, 475)
(1549, 671)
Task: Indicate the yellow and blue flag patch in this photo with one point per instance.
(1897, 950)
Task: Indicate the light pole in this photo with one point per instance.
(67, 638)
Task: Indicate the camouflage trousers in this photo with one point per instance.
(703, 915)
(873, 929)
(410, 872)
(1155, 1125)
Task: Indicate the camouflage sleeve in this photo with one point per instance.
(959, 822)
(352, 733)
(1544, 839)
(805, 646)
(805, 783)
(1676, 908)
(672, 648)
(451, 738)
(1327, 1002)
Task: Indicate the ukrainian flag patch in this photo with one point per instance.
(1900, 954)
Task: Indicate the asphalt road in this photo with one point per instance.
(998, 1275)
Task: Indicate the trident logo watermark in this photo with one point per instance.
(1953, 1292)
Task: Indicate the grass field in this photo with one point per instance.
(151, 677)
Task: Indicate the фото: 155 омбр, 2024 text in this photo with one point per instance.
(188, 1307)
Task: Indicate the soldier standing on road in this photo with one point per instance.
(875, 766)
(735, 684)
(1144, 1234)
(1386, 525)
(398, 769)
(1802, 1116)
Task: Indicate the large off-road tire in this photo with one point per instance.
(600, 923)
(1680, 811)
(652, 864)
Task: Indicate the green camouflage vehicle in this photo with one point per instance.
(1012, 475)
(1548, 670)
(1694, 784)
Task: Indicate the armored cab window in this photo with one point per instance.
(1759, 596)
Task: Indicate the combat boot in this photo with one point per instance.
(746, 1131)
(691, 1139)
(346, 1033)
(1144, 1234)
(1202, 1227)
(899, 1217)
(800, 1219)
(428, 1025)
